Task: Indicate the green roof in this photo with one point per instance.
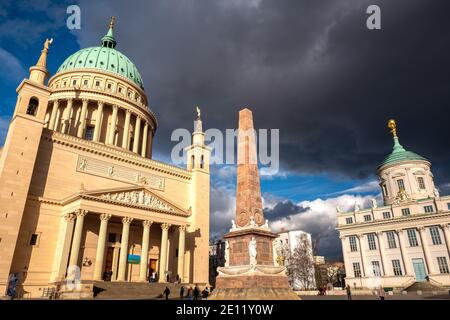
(104, 58)
(399, 154)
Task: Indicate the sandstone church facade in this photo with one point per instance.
(79, 188)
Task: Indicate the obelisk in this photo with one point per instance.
(248, 191)
(249, 272)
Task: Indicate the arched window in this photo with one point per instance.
(202, 162)
(192, 162)
(32, 106)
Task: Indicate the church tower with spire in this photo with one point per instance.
(18, 157)
(198, 157)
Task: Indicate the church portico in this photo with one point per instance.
(104, 238)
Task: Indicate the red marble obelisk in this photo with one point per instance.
(250, 271)
(248, 191)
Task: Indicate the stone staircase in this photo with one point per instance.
(424, 286)
(135, 290)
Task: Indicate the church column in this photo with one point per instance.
(144, 140)
(52, 122)
(126, 221)
(66, 117)
(163, 253)
(382, 253)
(144, 250)
(112, 127)
(426, 249)
(181, 249)
(403, 253)
(149, 143)
(446, 228)
(137, 132)
(76, 242)
(98, 122)
(82, 125)
(126, 130)
(63, 247)
(100, 254)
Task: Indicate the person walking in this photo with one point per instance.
(167, 292)
(205, 293)
(181, 293)
(196, 293)
(381, 293)
(349, 292)
(189, 293)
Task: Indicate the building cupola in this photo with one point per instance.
(404, 175)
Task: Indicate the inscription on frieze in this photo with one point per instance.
(121, 173)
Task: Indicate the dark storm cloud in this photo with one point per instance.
(283, 209)
(310, 68)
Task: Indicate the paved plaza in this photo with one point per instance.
(373, 297)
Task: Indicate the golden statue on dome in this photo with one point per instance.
(112, 22)
(393, 126)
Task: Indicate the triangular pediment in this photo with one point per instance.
(139, 197)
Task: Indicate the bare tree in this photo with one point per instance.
(300, 264)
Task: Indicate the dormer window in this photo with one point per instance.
(385, 193)
(401, 185)
(421, 183)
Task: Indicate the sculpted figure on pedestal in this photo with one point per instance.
(252, 252)
(227, 254)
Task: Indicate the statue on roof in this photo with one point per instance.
(47, 43)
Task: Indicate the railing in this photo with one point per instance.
(49, 293)
(408, 283)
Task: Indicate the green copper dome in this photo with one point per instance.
(399, 154)
(105, 58)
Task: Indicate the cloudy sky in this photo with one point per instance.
(309, 68)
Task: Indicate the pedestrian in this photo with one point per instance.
(189, 293)
(196, 293)
(205, 293)
(181, 293)
(167, 278)
(167, 292)
(381, 293)
(349, 292)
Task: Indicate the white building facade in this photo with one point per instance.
(406, 240)
(303, 278)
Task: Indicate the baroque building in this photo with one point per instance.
(79, 189)
(407, 239)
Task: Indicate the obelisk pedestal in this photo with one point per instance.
(250, 273)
